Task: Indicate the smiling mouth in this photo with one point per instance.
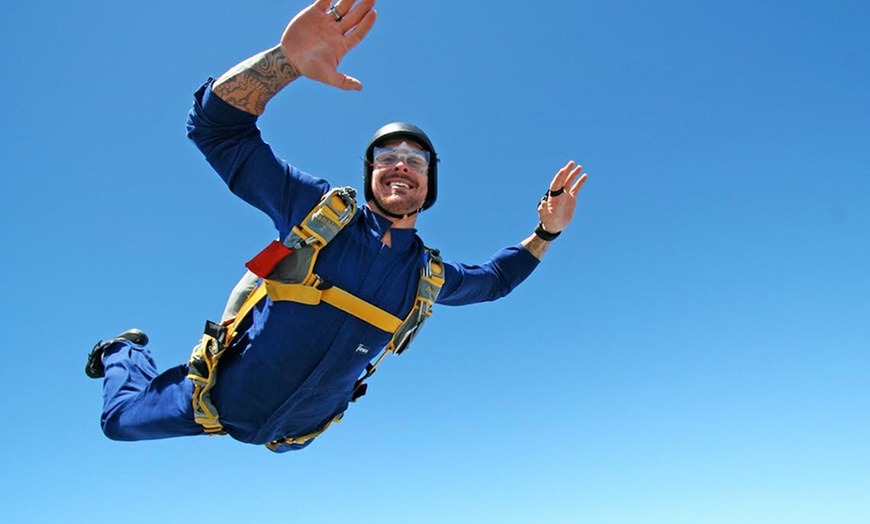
(398, 183)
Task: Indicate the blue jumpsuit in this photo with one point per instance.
(293, 367)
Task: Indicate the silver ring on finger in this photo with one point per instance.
(335, 14)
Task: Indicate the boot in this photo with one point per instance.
(94, 368)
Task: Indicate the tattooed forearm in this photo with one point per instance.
(536, 246)
(249, 85)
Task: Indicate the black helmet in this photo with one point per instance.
(399, 130)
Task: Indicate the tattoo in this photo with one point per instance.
(536, 246)
(251, 84)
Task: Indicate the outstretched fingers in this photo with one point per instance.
(578, 184)
(361, 29)
(572, 174)
(566, 176)
(355, 14)
(561, 176)
(356, 22)
(343, 7)
(318, 38)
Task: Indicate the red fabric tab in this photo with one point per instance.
(263, 264)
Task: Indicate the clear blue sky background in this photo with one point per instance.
(695, 348)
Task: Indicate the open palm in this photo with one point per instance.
(315, 42)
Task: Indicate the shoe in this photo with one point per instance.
(94, 368)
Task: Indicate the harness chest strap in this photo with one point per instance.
(431, 280)
(313, 295)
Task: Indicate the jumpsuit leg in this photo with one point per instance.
(141, 404)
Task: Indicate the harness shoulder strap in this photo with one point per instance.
(428, 288)
(334, 211)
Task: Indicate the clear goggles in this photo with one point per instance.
(417, 160)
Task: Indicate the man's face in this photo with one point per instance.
(400, 179)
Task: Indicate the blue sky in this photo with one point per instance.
(695, 348)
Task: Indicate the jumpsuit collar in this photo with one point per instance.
(401, 239)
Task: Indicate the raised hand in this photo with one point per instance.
(317, 39)
(557, 208)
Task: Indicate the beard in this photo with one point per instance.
(398, 201)
(398, 204)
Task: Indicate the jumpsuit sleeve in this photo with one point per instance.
(231, 142)
(468, 284)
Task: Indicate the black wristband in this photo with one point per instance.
(543, 234)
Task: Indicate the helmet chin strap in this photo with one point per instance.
(391, 214)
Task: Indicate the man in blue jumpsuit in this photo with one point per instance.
(293, 367)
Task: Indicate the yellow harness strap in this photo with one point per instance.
(253, 299)
(304, 438)
(202, 367)
(336, 297)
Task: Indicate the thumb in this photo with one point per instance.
(342, 81)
